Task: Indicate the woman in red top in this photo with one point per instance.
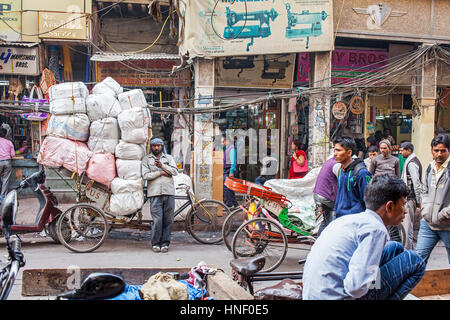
(300, 157)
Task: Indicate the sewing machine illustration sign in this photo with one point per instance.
(259, 27)
(311, 18)
(258, 71)
(260, 30)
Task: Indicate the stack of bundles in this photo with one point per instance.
(67, 129)
(103, 108)
(127, 190)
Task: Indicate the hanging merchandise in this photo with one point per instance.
(357, 105)
(47, 80)
(339, 110)
(39, 96)
(35, 116)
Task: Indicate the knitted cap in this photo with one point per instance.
(385, 141)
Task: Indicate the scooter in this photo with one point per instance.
(47, 212)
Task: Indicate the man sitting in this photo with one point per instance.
(353, 259)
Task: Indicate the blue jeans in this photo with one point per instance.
(162, 211)
(428, 238)
(400, 271)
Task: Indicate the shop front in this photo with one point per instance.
(20, 72)
(153, 74)
(258, 129)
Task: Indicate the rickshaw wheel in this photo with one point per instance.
(261, 236)
(230, 225)
(82, 228)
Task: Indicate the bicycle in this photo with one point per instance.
(267, 228)
(85, 226)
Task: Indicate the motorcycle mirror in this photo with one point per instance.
(97, 286)
(8, 211)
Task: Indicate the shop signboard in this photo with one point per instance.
(11, 20)
(20, 61)
(143, 73)
(261, 71)
(347, 64)
(214, 28)
(61, 25)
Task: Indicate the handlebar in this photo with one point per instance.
(183, 186)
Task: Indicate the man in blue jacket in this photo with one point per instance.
(352, 179)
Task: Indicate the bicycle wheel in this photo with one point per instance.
(52, 230)
(261, 236)
(234, 220)
(205, 219)
(82, 228)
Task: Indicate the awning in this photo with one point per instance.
(113, 56)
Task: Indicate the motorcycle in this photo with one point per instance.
(16, 258)
(47, 213)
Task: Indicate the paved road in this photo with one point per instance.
(126, 248)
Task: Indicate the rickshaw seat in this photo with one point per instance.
(248, 266)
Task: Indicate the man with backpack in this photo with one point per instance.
(435, 224)
(352, 179)
(411, 175)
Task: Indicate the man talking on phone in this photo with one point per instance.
(158, 168)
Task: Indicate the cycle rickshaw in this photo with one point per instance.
(265, 225)
(85, 226)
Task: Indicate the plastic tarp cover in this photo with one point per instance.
(74, 127)
(134, 124)
(102, 168)
(132, 99)
(300, 193)
(72, 155)
(68, 90)
(104, 135)
(120, 185)
(129, 151)
(99, 106)
(67, 106)
(179, 179)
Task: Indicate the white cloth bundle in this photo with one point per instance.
(100, 106)
(104, 135)
(67, 106)
(74, 127)
(128, 169)
(119, 185)
(134, 125)
(108, 86)
(132, 99)
(68, 90)
(129, 151)
(127, 196)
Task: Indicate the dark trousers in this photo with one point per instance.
(162, 211)
(229, 198)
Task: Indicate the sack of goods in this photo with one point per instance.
(127, 196)
(100, 106)
(67, 106)
(108, 86)
(72, 155)
(128, 169)
(132, 99)
(134, 124)
(68, 90)
(73, 127)
(102, 168)
(104, 135)
(129, 151)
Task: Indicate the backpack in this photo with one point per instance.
(355, 172)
